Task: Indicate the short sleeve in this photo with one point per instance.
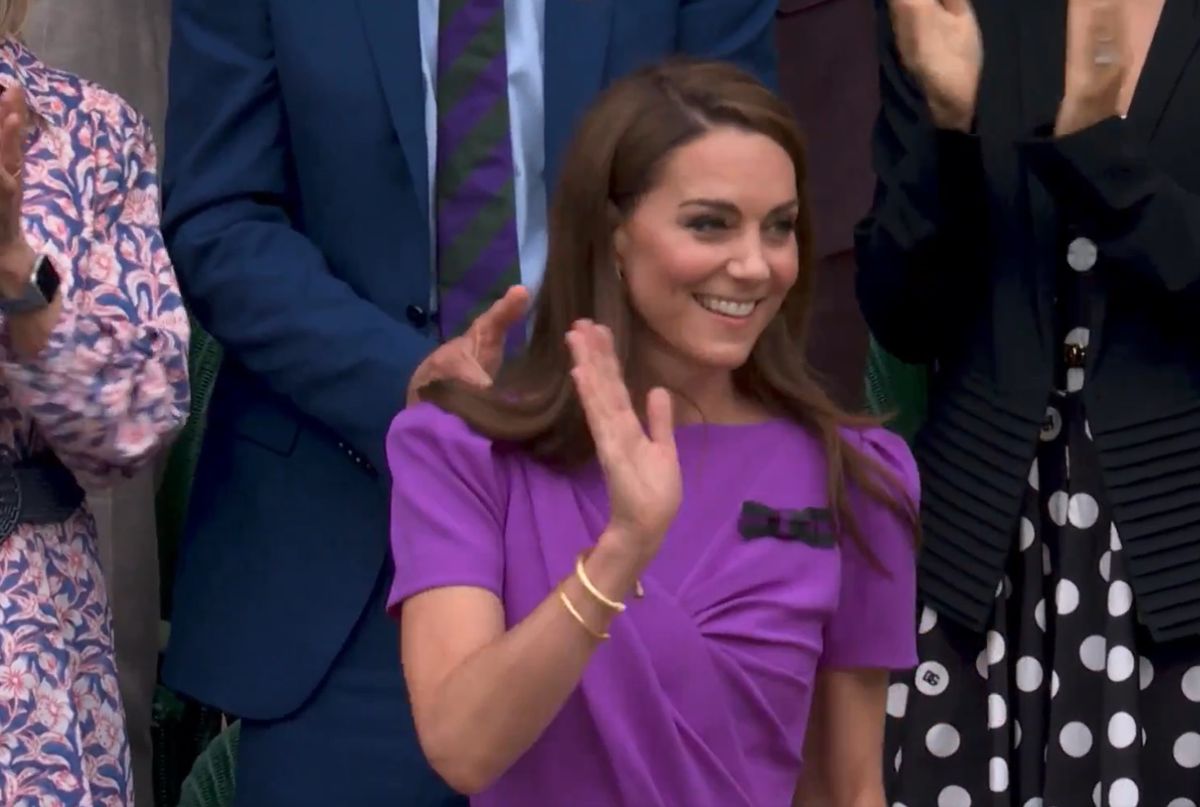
(448, 505)
(874, 625)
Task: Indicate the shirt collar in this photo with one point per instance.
(19, 67)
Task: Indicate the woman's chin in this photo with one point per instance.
(720, 357)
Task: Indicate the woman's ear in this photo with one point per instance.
(620, 235)
(620, 245)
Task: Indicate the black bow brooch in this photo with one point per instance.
(812, 525)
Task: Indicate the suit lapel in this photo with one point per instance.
(1175, 41)
(576, 43)
(393, 30)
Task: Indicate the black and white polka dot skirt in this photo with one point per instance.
(1065, 701)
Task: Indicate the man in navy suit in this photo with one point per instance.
(342, 193)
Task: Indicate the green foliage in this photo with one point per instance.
(896, 391)
(211, 782)
(174, 491)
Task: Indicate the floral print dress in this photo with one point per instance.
(110, 388)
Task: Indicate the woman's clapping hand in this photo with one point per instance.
(940, 45)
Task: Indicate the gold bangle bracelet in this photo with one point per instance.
(591, 588)
(570, 606)
(638, 591)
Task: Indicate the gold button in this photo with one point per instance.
(1075, 356)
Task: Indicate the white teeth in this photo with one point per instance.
(730, 308)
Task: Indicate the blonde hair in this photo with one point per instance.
(12, 16)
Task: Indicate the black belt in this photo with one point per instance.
(37, 490)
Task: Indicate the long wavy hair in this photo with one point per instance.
(615, 157)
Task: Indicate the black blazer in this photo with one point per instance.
(958, 267)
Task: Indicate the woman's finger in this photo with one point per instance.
(606, 353)
(12, 107)
(614, 427)
(10, 144)
(575, 346)
(589, 358)
(903, 15)
(1094, 45)
(616, 392)
(660, 417)
(621, 425)
(958, 6)
(583, 379)
(1103, 33)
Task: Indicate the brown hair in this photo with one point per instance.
(614, 159)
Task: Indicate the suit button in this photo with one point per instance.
(1081, 254)
(417, 315)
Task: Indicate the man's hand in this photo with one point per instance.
(474, 357)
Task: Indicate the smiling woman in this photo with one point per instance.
(664, 396)
(684, 183)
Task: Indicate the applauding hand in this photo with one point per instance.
(941, 47)
(1096, 62)
(16, 256)
(475, 357)
(645, 484)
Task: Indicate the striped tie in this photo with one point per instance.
(477, 252)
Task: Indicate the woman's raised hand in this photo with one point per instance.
(641, 466)
(941, 47)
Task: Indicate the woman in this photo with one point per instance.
(92, 380)
(1036, 237)
(594, 611)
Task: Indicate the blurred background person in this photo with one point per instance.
(121, 45)
(94, 379)
(1035, 237)
(829, 75)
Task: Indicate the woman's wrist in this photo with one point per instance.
(617, 561)
(627, 547)
(17, 260)
(1077, 114)
(952, 119)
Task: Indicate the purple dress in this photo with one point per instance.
(702, 695)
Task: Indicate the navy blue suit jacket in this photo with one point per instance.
(296, 211)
